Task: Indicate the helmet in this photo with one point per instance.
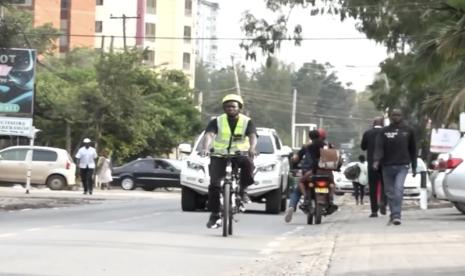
(86, 140)
(234, 97)
(322, 133)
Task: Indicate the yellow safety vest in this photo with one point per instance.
(224, 139)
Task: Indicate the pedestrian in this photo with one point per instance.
(85, 158)
(361, 181)
(395, 149)
(103, 172)
(378, 199)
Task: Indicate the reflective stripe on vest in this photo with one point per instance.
(239, 141)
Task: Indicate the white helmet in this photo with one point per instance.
(86, 140)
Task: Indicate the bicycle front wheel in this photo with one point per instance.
(226, 208)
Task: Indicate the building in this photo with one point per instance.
(163, 27)
(207, 49)
(71, 17)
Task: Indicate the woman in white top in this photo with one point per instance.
(361, 181)
(104, 170)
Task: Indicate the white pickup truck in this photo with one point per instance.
(271, 179)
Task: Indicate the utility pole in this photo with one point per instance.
(294, 109)
(238, 88)
(124, 18)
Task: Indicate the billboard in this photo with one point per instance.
(17, 73)
(444, 140)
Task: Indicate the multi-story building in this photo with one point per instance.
(207, 48)
(71, 17)
(163, 27)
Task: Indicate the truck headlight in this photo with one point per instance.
(266, 168)
(195, 166)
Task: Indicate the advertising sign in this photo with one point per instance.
(17, 72)
(443, 140)
(16, 126)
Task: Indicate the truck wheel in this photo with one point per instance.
(188, 199)
(273, 202)
(460, 206)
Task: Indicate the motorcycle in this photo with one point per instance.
(318, 203)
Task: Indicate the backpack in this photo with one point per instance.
(352, 172)
(329, 159)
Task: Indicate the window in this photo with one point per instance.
(152, 6)
(143, 165)
(160, 164)
(264, 144)
(22, 2)
(14, 155)
(188, 7)
(186, 61)
(187, 34)
(150, 31)
(99, 3)
(44, 155)
(98, 26)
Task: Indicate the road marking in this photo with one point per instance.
(7, 235)
(27, 209)
(33, 229)
(110, 221)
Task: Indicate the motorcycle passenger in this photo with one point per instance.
(230, 132)
(318, 142)
(304, 155)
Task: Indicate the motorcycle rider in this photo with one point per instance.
(230, 132)
(304, 155)
(318, 142)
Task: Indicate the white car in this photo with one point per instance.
(53, 167)
(271, 179)
(412, 185)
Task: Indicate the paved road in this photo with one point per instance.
(147, 234)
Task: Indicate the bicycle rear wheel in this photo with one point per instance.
(226, 208)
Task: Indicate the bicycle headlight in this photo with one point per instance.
(267, 168)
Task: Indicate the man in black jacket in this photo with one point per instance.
(375, 179)
(395, 149)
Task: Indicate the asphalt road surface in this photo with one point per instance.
(150, 235)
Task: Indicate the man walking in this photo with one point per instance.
(375, 180)
(395, 149)
(85, 158)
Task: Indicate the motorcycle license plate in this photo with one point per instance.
(322, 190)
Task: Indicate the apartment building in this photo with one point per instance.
(207, 49)
(71, 17)
(163, 27)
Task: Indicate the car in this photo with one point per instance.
(271, 178)
(454, 177)
(148, 174)
(50, 166)
(412, 185)
(438, 172)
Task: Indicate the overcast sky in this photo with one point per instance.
(354, 60)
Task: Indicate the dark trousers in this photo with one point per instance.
(359, 191)
(217, 170)
(376, 185)
(86, 179)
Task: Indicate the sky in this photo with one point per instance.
(354, 60)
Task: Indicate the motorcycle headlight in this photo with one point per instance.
(266, 168)
(194, 166)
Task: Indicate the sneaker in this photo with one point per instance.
(214, 221)
(396, 221)
(373, 215)
(382, 210)
(288, 215)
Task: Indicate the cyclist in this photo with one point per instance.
(230, 132)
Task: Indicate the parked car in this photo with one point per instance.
(344, 185)
(437, 175)
(454, 177)
(147, 173)
(271, 179)
(53, 167)
(412, 184)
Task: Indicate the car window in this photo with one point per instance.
(160, 164)
(14, 155)
(265, 144)
(143, 165)
(44, 155)
(277, 142)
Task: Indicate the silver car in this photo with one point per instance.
(454, 178)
